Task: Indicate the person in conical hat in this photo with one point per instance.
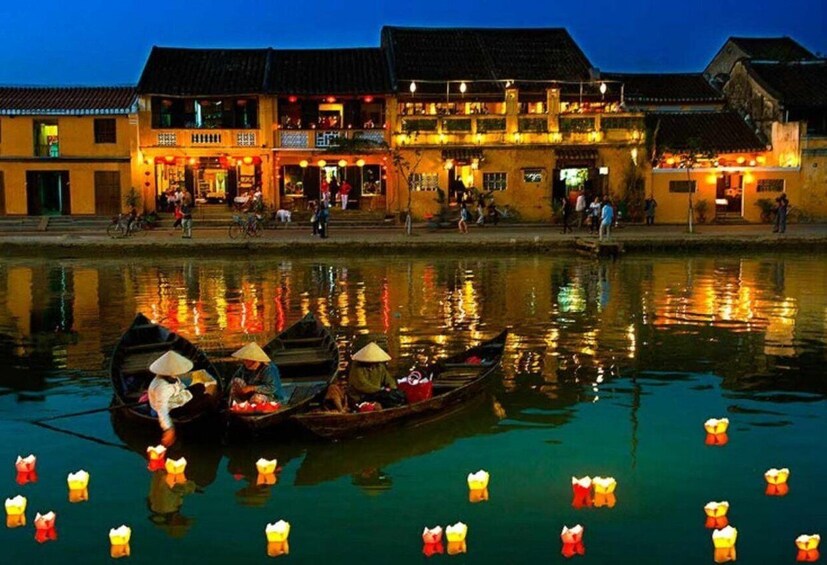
(369, 379)
(168, 396)
(257, 380)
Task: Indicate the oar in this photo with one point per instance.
(93, 411)
(82, 436)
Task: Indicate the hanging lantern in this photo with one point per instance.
(412, 88)
(368, 99)
(582, 491)
(192, 161)
(478, 480)
(716, 514)
(603, 88)
(156, 457)
(303, 164)
(456, 533)
(572, 539)
(777, 482)
(360, 163)
(342, 163)
(44, 526)
(723, 541)
(462, 87)
(176, 466)
(247, 160)
(266, 466)
(78, 480)
(321, 163)
(119, 542)
(169, 158)
(277, 532)
(807, 547)
(330, 99)
(292, 99)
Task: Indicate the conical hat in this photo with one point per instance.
(371, 353)
(252, 352)
(171, 364)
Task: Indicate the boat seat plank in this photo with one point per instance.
(298, 351)
(474, 366)
(138, 363)
(301, 360)
(158, 346)
(302, 340)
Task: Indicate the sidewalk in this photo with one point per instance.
(357, 241)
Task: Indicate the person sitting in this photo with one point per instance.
(168, 396)
(369, 379)
(284, 216)
(257, 380)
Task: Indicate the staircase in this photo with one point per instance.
(730, 219)
(217, 217)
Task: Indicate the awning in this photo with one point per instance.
(462, 155)
(576, 155)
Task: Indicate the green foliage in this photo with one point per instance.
(767, 206)
(635, 186)
(701, 207)
(132, 199)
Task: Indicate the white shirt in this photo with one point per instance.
(165, 396)
(581, 203)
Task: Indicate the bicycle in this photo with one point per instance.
(124, 225)
(249, 227)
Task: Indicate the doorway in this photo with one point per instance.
(730, 187)
(47, 193)
(107, 193)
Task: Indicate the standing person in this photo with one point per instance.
(186, 214)
(580, 209)
(606, 219)
(314, 216)
(325, 190)
(334, 190)
(782, 206)
(324, 214)
(651, 204)
(343, 193)
(481, 208)
(594, 214)
(565, 211)
(464, 216)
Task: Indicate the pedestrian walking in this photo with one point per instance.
(324, 214)
(314, 216)
(782, 206)
(649, 208)
(333, 187)
(606, 219)
(565, 211)
(344, 190)
(186, 214)
(594, 215)
(464, 216)
(580, 209)
(480, 208)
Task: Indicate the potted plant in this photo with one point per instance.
(767, 207)
(132, 198)
(701, 207)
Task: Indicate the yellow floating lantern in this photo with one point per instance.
(807, 547)
(78, 480)
(278, 532)
(176, 466)
(716, 425)
(119, 540)
(723, 540)
(478, 480)
(277, 548)
(16, 506)
(432, 535)
(604, 485)
(266, 466)
(457, 532)
(777, 482)
(78, 495)
(25, 464)
(716, 514)
(457, 547)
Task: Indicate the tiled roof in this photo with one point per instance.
(471, 54)
(722, 132)
(204, 72)
(329, 71)
(772, 48)
(794, 85)
(670, 88)
(17, 100)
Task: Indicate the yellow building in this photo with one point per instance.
(66, 150)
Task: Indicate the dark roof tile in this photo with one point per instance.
(794, 85)
(67, 100)
(329, 71)
(670, 88)
(772, 48)
(723, 132)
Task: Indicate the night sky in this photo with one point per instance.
(87, 42)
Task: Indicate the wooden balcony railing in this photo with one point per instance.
(325, 138)
(210, 138)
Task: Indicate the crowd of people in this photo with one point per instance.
(180, 201)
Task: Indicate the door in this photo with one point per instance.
(2, 194)
(47, 193)
(107, 193)
(354, 177)
(729, 187)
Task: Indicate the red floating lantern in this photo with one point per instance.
(572, 539)
(582, 491)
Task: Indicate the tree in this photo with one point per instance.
(407, 169)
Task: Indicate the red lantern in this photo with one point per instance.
(292, 99)
(582, 490)
(368, 99)
(330, 99)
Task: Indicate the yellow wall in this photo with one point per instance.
(814, 177)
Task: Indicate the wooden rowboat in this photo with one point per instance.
(307, 356)
(138, 347)
(455, 381)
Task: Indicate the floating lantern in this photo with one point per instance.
(266, 479)
(457, 532)
(432, 535)
(478, 480)
(716, 425)
(723, 541)
(582, 490)
(572, 539)
(176, 466)
(16, 512)
(716, 514)
(277, 532)
(78, 480)
(266, 466)
(807, 547)
(25, 464)
(604, 485)
(457, 547)
(777, 482)
(156, 457)
(277, 548)
(477, 495)
(16, 521)
(44, 526)
(119, 540)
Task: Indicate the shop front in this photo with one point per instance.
(211, 180)
(302, 180)
(576, 172)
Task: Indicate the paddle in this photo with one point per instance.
(93, 411)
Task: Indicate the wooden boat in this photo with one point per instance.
(307, 356)
(455, 381)
(142, 343)
(597, 248)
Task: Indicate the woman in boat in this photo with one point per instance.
(257, 380)
(168, 396)
(369, 379)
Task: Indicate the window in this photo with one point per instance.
(46, 139)
(425, 181)
(682, 186)
(770, 185)
(105, 130)
(205, 113)
(532, 175)
(494, 181)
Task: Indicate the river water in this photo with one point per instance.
(611, 369)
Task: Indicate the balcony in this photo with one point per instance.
(208, 138)
(325, 138)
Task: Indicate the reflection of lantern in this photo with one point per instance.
(582, 490)
(457, 547)
(478, 480)
(716, 514)
(119, 540)
(717, 439)
(78, 495)
(78, 480)
(266, 479)
(807, 547)
(724, 542)
(15, 521)
(477, 495)
(173, 479)
(572, 539)
(25, 464)
(25, 477)
(277, 532)
(777, 482)
(266, 466)
(430, 549)
(457, 532)
(432, 535)
(156, 457)
(607, 499)
(276, 548)
(44, 525)
(176, 466)
(716, 426)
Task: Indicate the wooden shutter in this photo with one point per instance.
(107, 193)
